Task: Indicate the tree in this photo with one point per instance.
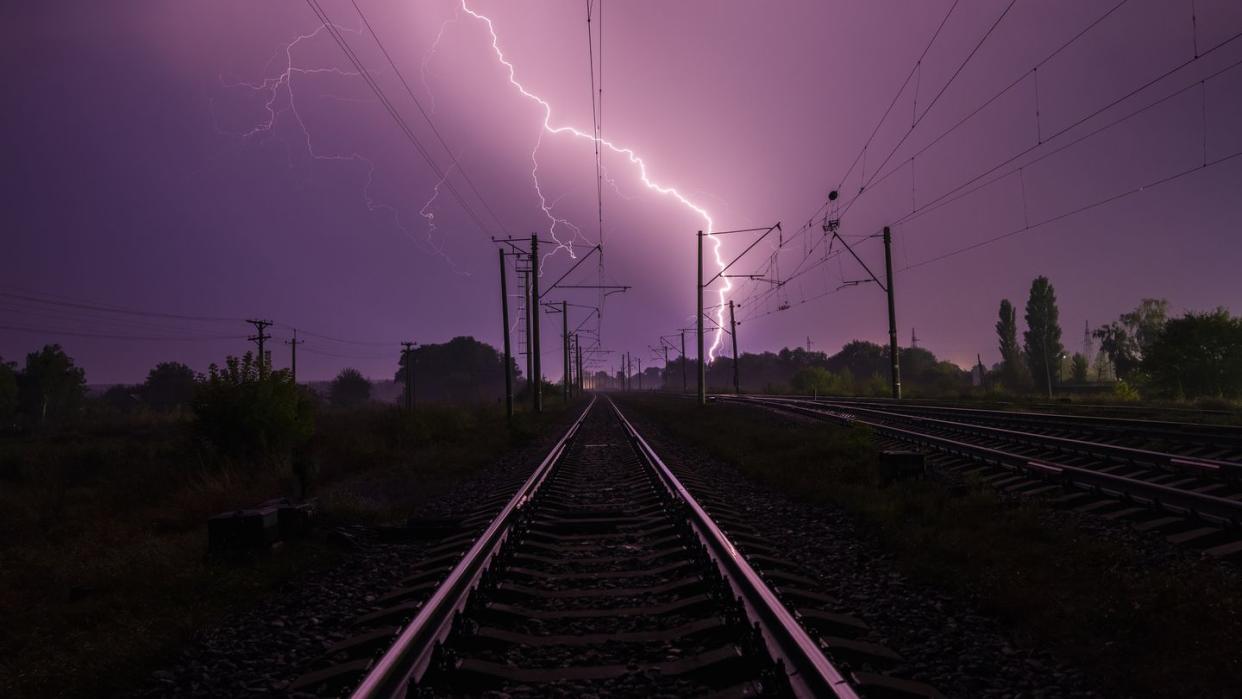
(1042, 339)
(1127, 340)
(462, 370)
(1011, 370)
(1080, 367)
(8, 391)
(50, 388)
(248, 413)
(169, 385)
(122, 397)
(818, 381)
(1199, 354)
(1119, 348)
(350, 389)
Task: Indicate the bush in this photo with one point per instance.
(246, 412)
(1124, 391)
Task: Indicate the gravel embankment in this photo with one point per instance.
(944, 640)
(261, 650)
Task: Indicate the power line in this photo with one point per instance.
(148, 338)
(1081, 209)
(426, 116)
(948, 198)
(897, 96)
(876, 181)
(392, 111)
(114, 309)
(943, 89)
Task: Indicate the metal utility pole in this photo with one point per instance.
(565, 345)
(408, 353)
(702, 370)
(293, 355)
(530, 360)
(684, 384)
(892, 313)
(665, 387)
(504, 322)
(578, 351)
(260, 338)
(737, 385)
(534, 296)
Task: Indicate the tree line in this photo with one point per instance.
(1143, 352)
(859, 368)
(50, 388)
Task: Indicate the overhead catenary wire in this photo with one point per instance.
(952, 195)
(426, 116)
(1087, 207)
(392, 111)
(878, 179)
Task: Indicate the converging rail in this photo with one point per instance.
(1213, 443)
(604, 573)
(1165, 483)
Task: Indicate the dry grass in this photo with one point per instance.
(103, 570)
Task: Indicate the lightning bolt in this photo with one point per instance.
(281, 86)
(423, 68)
(629, 155)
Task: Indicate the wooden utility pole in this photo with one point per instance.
(737, 384)
(408, 353)
(504, 323)
(260, 338)
(535, 313)
(892, 313)
(640, 373)
(293, 355)
(702, 370)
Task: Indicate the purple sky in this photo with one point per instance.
(141, 170)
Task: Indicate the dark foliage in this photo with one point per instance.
(462, 370)
(168, 386)
(1042, 339)
(8, 392)
(350, 389)
(1013, 374)
(247, 412)
(50, 387)
(1199, 354)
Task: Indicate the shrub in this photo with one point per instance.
(1124, 391)
(248, 412)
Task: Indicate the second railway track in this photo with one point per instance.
(1192, 500)
(605, 576)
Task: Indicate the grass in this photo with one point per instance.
(1136, 630)
(103, 573)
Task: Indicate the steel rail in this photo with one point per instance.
(1216, 467)
(810, 673)
(1187, 431)
(409, 656)
(1221, 511)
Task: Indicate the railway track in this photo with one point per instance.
(1220, 443)
(604, 575)
(1191, 499)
